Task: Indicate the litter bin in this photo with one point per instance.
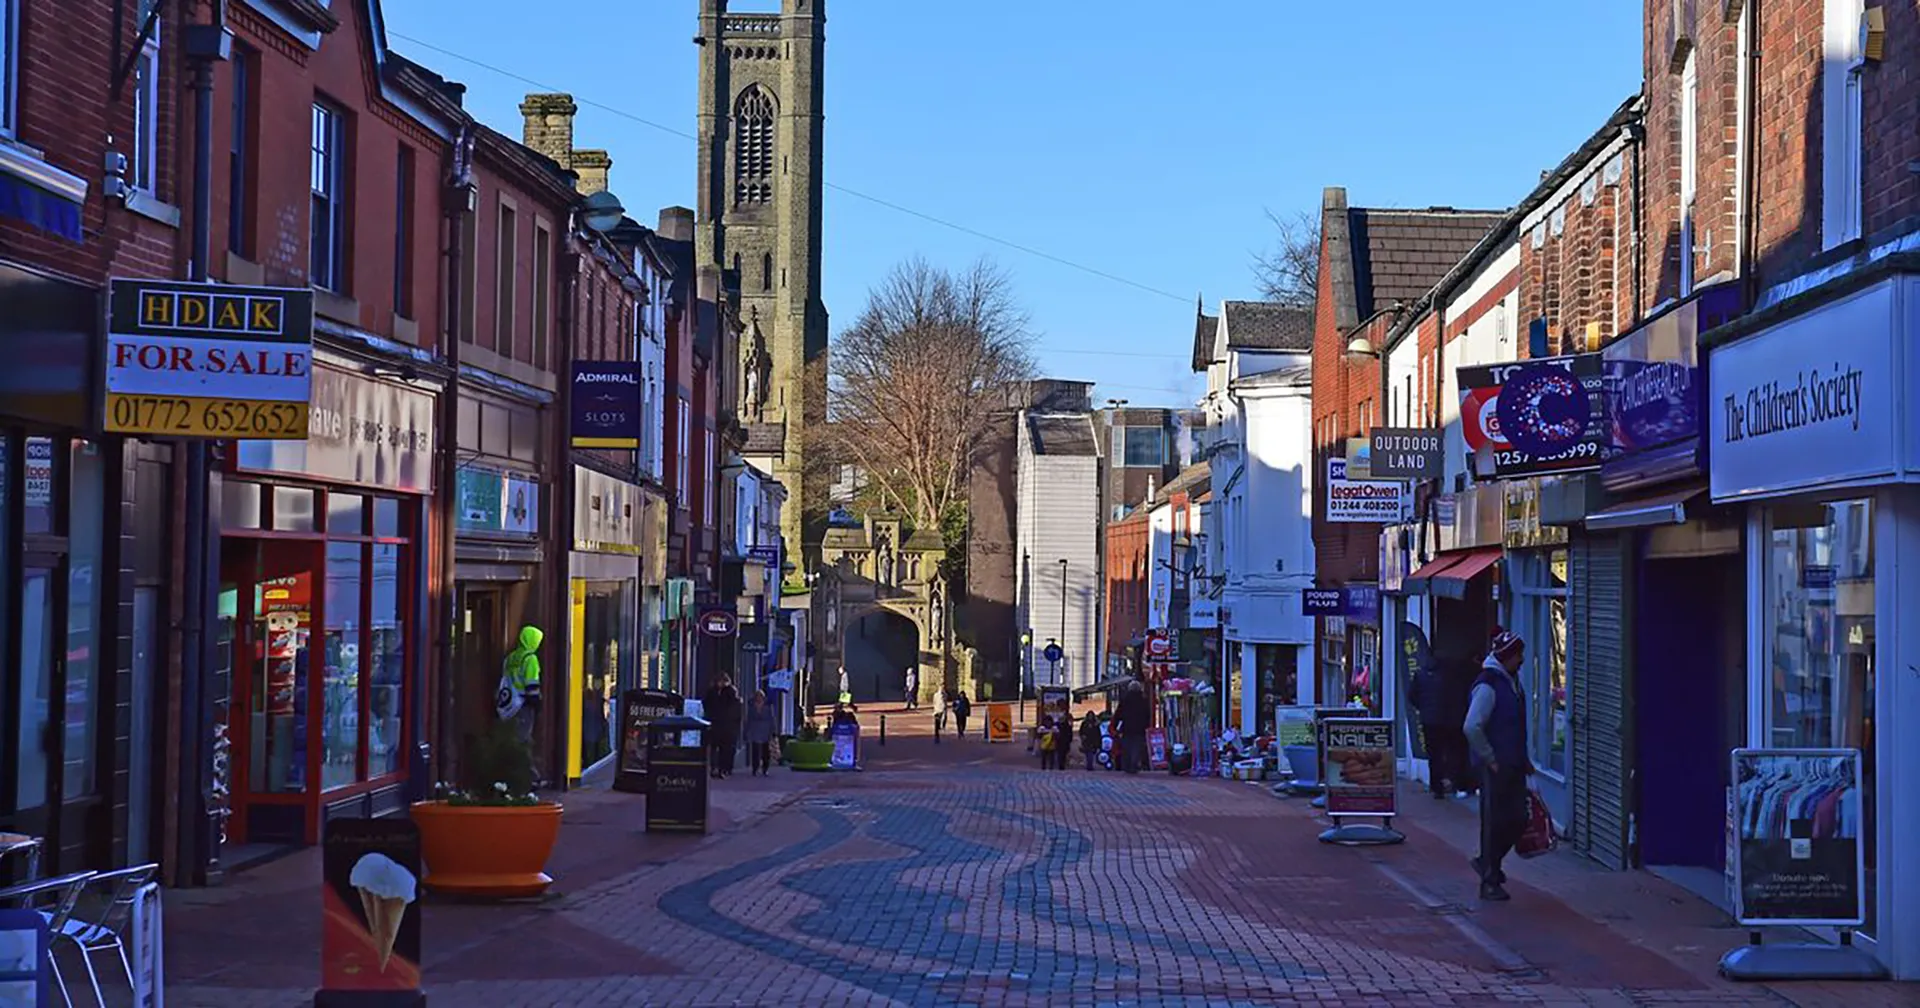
(677, 775)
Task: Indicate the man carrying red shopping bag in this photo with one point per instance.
(1496, 730)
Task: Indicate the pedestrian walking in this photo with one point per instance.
(1135, 717)
(759, 735)
(961, 708)
(913, 688)
(1428, 695)
(518, 698)
(721, 703)
(1062, 739)
(1090, 738)
(939, 713)
(1043, 740)
(846, 686)
(1496, 732)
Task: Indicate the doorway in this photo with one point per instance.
(268, 609)
(880, 646)
(482, 650)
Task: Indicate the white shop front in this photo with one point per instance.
(1813, 415)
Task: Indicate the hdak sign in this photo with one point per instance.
(718, 623)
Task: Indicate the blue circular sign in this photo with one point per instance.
(1053, 652)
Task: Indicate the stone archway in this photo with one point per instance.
(880, 643)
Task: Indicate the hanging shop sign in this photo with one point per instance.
(1812, 401)
(1358, 765)
(370, 883)
(606, 405)
(1354, 501)
(1406, 453)
(607, 514)
(203, 360)
(1543, 415)
(1655, 392)
(361, 430)
(1799, 858)
(718, 623)
(754, 638)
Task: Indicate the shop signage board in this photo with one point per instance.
(1544, 415)
(1406, 453)
(1203, 612)
(718, 623)
(1813, 401)
(606, 405)
(1293, 725)
(846, 745)
(1799, 859)
(1358, 768)
(361, 430)
(1357, 501)
(1323, 602)
(370, 938)
(754, 638)
(638, 709)
(1357, 602)
(146, 954)
(1157, 748)
(496, 501)
(999, 722)
(204, 360)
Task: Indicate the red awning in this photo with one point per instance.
(1416, 582)
(1447, 575)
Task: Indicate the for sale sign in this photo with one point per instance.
(1381, 502)
(1359, 770)
(201, 360)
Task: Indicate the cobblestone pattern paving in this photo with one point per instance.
(995, 884)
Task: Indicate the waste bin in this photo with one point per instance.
(677, 775)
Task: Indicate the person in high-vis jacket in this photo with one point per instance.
(520, 684)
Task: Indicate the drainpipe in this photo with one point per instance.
(457, 202)
(1750, 157)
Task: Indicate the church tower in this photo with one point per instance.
(759, 216)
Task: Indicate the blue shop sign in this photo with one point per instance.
(606, 405)
(1360, 603)
(1655, 392)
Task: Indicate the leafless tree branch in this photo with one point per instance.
(1289, 271)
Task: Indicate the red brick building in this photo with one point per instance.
(1129, 572)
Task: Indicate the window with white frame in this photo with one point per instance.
(706, 475)
(146, 112)
(327, 239)
(1689, 167)
(683, 448)
(1842, 60)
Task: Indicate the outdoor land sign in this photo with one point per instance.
(370, 939)
(1349, 501)
(199, 360)
(606, 404)
(1406, 453)
(1359, 768)
(1799, 858)
(1544, 415)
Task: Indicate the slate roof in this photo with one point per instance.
(1205, 328)
(1196, 475)
(1062, 435)
(1260, 325)
(1400, 254)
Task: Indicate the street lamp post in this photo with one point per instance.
(1063, 616)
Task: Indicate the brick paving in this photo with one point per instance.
(960, 874)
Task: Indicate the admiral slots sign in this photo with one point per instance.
(200, 360)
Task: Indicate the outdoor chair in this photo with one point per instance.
(64, 892)
(24, 847)
(98, 918)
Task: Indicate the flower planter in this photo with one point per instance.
(492, 851)
(810, 756)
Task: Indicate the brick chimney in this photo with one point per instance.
(676, 224)
(547, 127)
(592, 166)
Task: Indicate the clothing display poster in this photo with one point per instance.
(1799, 859)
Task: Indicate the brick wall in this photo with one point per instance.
(1576, 258)
(1129, 572)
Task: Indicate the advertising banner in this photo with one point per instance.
(846, 745)
(1157, 748)
(1406, 453)
(1800, 859)
(1359, 772)
(1544, 415)
(1415, 658)
(1354, 501)
(370, 940)
(1056, 700)
(606, 405)
(1293, 725)
(999, 722)
(638, 709)
(203, 360)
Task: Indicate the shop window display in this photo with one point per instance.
(1820, 640)
(340, 738)
(385, 667)
(1539, 614)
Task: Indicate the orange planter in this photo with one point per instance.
(484, 850)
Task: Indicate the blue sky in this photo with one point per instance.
(1139, 138)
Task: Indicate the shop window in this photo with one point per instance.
(36, 687)
(1820, 627)
(346, 514)
(80, 701)
(385, 665)
(386, 518)
(1539, 615)
(292, 509)
(340, 650)
(38, 509)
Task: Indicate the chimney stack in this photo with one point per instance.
(547, 126)
(676, 224)
(592, 167)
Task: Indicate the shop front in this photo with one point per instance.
(61, 565)
(605, 631)
(1810, 428)
(1535, 606)
(322, 629)
(1268, 657)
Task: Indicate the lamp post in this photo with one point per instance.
(1063, 616)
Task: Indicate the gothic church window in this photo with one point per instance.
(766, 271)
(753, 116)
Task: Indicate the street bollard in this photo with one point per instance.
(883, 729)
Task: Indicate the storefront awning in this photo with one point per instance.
(1446, 576)
(1668, 508)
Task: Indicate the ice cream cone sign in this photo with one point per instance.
(385, 888)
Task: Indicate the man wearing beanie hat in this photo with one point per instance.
(1496, 730)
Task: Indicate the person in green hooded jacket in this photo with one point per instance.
(519, 699)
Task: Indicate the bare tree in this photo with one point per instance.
(1289, 272)
(911, 382)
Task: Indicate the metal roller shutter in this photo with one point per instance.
(1602, 701)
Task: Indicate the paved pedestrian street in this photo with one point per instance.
(961, 874)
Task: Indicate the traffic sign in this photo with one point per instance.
(1052, 652)
(718, 623)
